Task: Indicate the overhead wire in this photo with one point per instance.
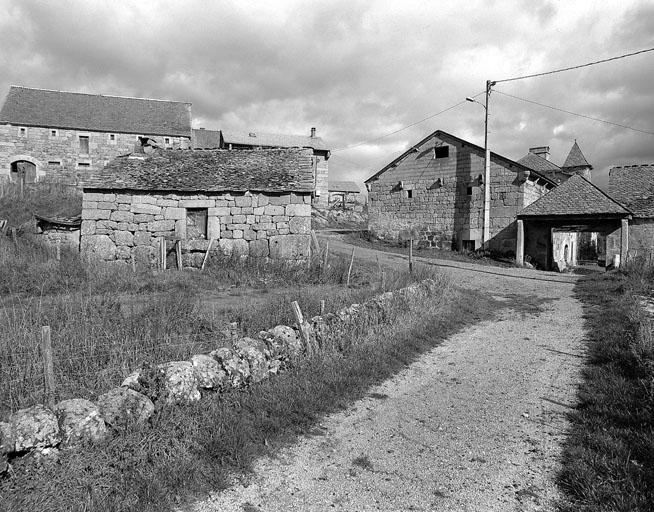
(574, 113)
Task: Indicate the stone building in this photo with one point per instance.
(247, 203)
(538, 159)
(548, 229)
(633, 187)
(234, 140)
(63, 136)
(436, 189)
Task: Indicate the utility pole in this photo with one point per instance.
(487, 174)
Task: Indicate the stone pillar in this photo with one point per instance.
(624, 241)
(520, 243)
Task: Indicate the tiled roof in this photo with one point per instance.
(343, 186)
(633, 186)
(205, 139)
(272, 170)
(93, 112)
(272, 140)
(576, 158)
(575, 197)
(538, 163)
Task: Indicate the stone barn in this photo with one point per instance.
(246, 203)
(436, 188)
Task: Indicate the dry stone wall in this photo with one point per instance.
(128, 226)
(248, 361)
(59, 157)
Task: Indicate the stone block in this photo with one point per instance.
(300, 210)
(290, 247)
(161, 225)
(102, 205)
(122, 216)
(148, 209)
(180, 229)
(98, 246)
(243, 200)
(94, 196)
(238, 219)
(95, 214)
(248, 234)
(106, 224)
(235, 210)
(280, 218)
(213, 227)
(237, 233)
(167, 203)
(258, 210)
(282, 200)
(197, 203)
(274, 210)
(250, 219)
(88, 227)
(124, 238)
(174, 213)
(219, 211)
(89, 205)
(263, 200)
(142, 238)
(124, 207)
(300, 225)
(145, 199)
(124, 198)
(231, 247)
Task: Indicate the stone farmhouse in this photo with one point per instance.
(235, 140)
(257, 203)
(64, 136)
(435, 191)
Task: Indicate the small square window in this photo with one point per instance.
(469, 191)
(54, 163)
(22, 131)
(196, 223)
(167, 141)
(84, 165)
(442, 152)
(409, 194)
(54, 133)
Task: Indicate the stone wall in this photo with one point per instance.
(58, 157)
(641, 239)
(129, 225)
(442, 198)
(321, 196)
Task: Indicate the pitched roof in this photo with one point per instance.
(93, 112)
(456, 140)
(272, 170)
(343, 186)
(576, 158)
(205, 139)
(272, 140)
(633, 186)
(576, 197)
(538, 163)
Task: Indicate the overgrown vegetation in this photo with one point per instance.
(48, 199)
(609, 455)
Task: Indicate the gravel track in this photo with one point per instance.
(476, 424)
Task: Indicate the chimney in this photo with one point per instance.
(541, 151)
(313, 133)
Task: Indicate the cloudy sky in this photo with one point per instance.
(359, 70)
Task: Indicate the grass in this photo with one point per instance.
(48, 199)
(609, 454)
(193, 449)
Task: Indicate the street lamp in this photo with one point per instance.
(486, 234)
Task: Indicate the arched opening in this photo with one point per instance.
(23, 172)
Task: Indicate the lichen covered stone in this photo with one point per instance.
(121, 407)
(80, 421)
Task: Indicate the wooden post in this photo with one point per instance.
(133, 263)
(325, 260)
(162, 253)
(322, 308)
(14, 237)
(300, 322)
(206, 254)
(520, 243)
(58, 250)
(178, 252)
(383, 281)
(48, 370)
(349, 270)
(314, 239)
(411, 255)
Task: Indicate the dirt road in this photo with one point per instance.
(475, 425)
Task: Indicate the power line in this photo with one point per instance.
(575, 113)
(575, 67)
(401, 129)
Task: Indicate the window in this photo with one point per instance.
(468, 245)
(22, 172)
(469, 191)
(22, 131)
(84, 165)
(54, 163)
(84, 144)
(442, 152)
(409, 194)
(54, 133)
(196, 223)
(167, 141)
(111, 138)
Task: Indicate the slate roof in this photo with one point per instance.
(633, 186)
(205, 139)
(93, 112)
(538, 163)
(576, 197)
(456, 140)
(343, 186)
(272, 170)
(576, 158)
(273, 140)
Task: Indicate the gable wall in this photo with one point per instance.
(446, 215)
(41, 148)
(128, 226)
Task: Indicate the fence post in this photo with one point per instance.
(162, 252)
(411, 255)
(300, 322)
(206, 254)
(178, 252)
(349, 270)
(48, 370)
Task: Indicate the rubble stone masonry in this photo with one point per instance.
(58, 154)
(128, 226)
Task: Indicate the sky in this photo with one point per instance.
(363, 73)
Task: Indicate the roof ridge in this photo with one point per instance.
(633, 165)
(100, 95)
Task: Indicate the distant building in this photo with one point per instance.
(435, 189)
(538, 159)
(57, 135)
(234, 140)
(342, 192)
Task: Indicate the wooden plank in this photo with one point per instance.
(178, 253)
(299, 318)
(48, 367)
(206, 254)
(349, 270)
